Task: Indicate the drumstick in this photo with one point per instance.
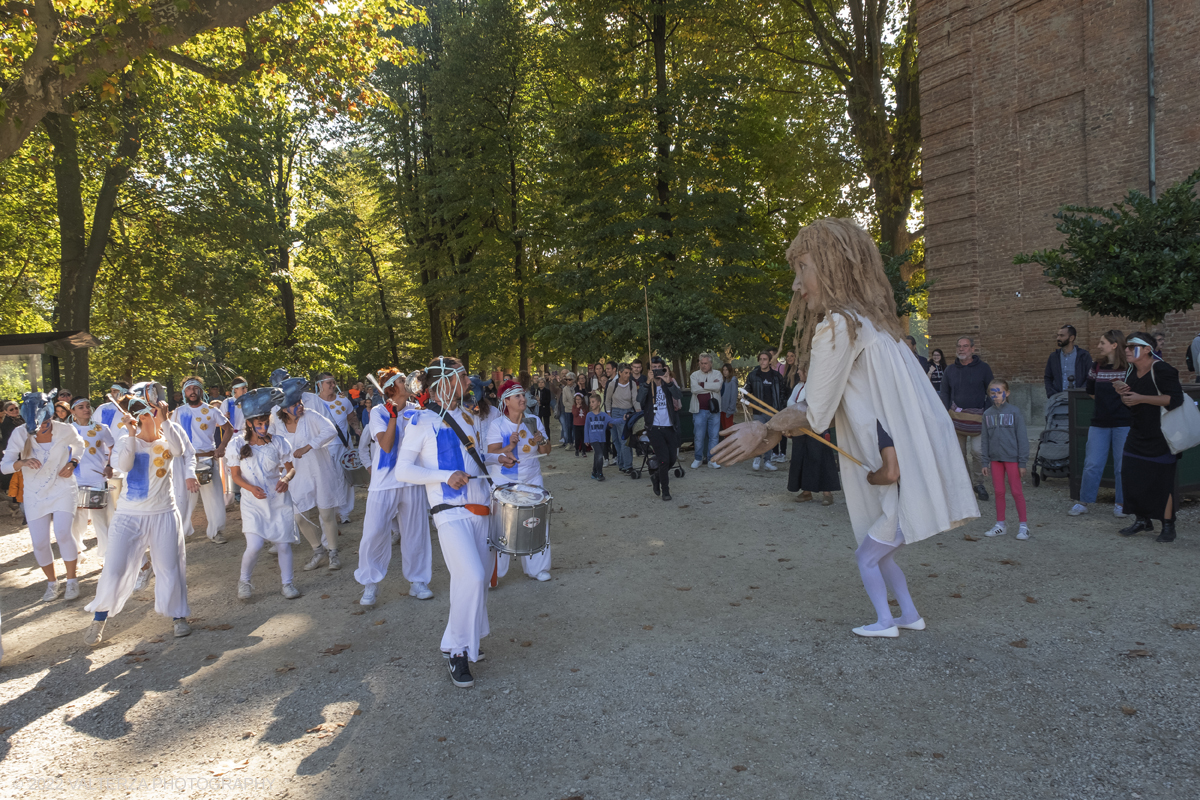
(763, 408)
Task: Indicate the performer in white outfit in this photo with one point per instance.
(335, 406)
(183, 473)
(206, 428)
(233, 413)
(93, 471)
(391, 500)
(863, 380)
(262, 466)
(42, 449)
(146, 517)
(109, 414)
(315, 489)
(531, 441)
(432, 455)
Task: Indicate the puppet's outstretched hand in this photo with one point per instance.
(790, 421)
(743, 441)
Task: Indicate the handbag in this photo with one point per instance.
(1180, 426)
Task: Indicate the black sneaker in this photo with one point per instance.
(981, 492)
(1139, 524)
(654, 480)
(666, 495)
(599, 477)
(460, 671)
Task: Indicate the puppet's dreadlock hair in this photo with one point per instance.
(850, 274)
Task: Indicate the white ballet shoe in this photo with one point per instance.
(919, 625)
(886, 633)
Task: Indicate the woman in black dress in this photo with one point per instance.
(814, 466)
(1148, 465)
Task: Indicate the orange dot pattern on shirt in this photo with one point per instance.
(92, 450)
(525, 449)
(160, 473)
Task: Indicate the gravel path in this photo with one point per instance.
(698, 648)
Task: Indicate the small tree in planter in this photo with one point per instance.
(1139, 259)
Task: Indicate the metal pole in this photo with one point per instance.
(1150, 98)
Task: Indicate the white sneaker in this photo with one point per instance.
(713, 465)
(53, 590)
(218, 539)
(335, 563)
(273, 549)
(1119, 511)
(779, 458)
(998, 530)
(419, 591)
(395, 538)
(182, 628)
(95, 633)
(543, 576)
(767, 465)
(72, 589)
(245, 589)
(1023, 531)
(318, 557)
(696, 463)
(143, 579)
(1077, 509)
(757, 465)
(290, 591)
(368, 595)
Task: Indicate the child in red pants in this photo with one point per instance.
(1005, 451)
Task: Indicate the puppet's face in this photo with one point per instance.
(806, 281)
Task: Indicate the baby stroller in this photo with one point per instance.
(1053, 456)
(635, 435)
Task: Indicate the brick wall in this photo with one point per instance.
(1028, 105)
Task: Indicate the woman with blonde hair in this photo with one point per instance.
(566, 402)
(863, 380)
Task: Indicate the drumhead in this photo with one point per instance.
(521, 494)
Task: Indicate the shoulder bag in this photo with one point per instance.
(1180, 426)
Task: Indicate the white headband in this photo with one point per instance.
(78, 401)
(192, 382)
(399, 376)
(513, 391)
(239, 385)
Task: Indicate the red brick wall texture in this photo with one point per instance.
(1028, 105)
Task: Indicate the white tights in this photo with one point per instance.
(879, 573)
(327, 534)
(254, 545)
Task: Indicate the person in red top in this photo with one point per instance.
(579, 414)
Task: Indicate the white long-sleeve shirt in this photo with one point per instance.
(45, 491)
(149, 486)
(431, 452)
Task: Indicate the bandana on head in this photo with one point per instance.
(239, 385)
(36, 408)
(79, 400)
(116, 387)
(191, 383)
(259, 402)
(436, 373)
(138, 407)
(399, 376)
(510, 389)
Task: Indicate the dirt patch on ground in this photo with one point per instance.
(697, 648)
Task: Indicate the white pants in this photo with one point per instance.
(538, 562)
(128, 537)
(348, 503)
(409, 507)
(214, 508)
(254, 546)
(465, 550)
(39, 532)
(324, 531)
(101, 517)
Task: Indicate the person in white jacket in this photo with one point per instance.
(432, 455)
(146, 517)
(863, 380)
(336, 407)
(706, 384)
(47, 452)
(207, 429)
(316, 489)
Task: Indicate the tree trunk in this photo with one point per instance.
(518, 266)
(662, 116)
(287, 296)
(80, 256)
(387, 316)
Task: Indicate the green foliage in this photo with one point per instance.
(912, 295)
(1138, 259)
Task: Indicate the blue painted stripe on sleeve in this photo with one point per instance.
(106, 416)
(509, 472)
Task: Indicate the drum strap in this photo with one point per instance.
(475, 508)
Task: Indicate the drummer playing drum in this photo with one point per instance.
(530, 436)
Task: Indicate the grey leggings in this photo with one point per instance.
(327, 517)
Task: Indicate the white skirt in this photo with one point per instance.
(274, 519)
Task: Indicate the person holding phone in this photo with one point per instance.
(660, 398)
(1148, 465)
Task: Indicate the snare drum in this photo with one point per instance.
(356, 473)
(204, 470)
(91, 497)
(519, 524)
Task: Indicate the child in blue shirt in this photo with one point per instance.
(594, 426)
